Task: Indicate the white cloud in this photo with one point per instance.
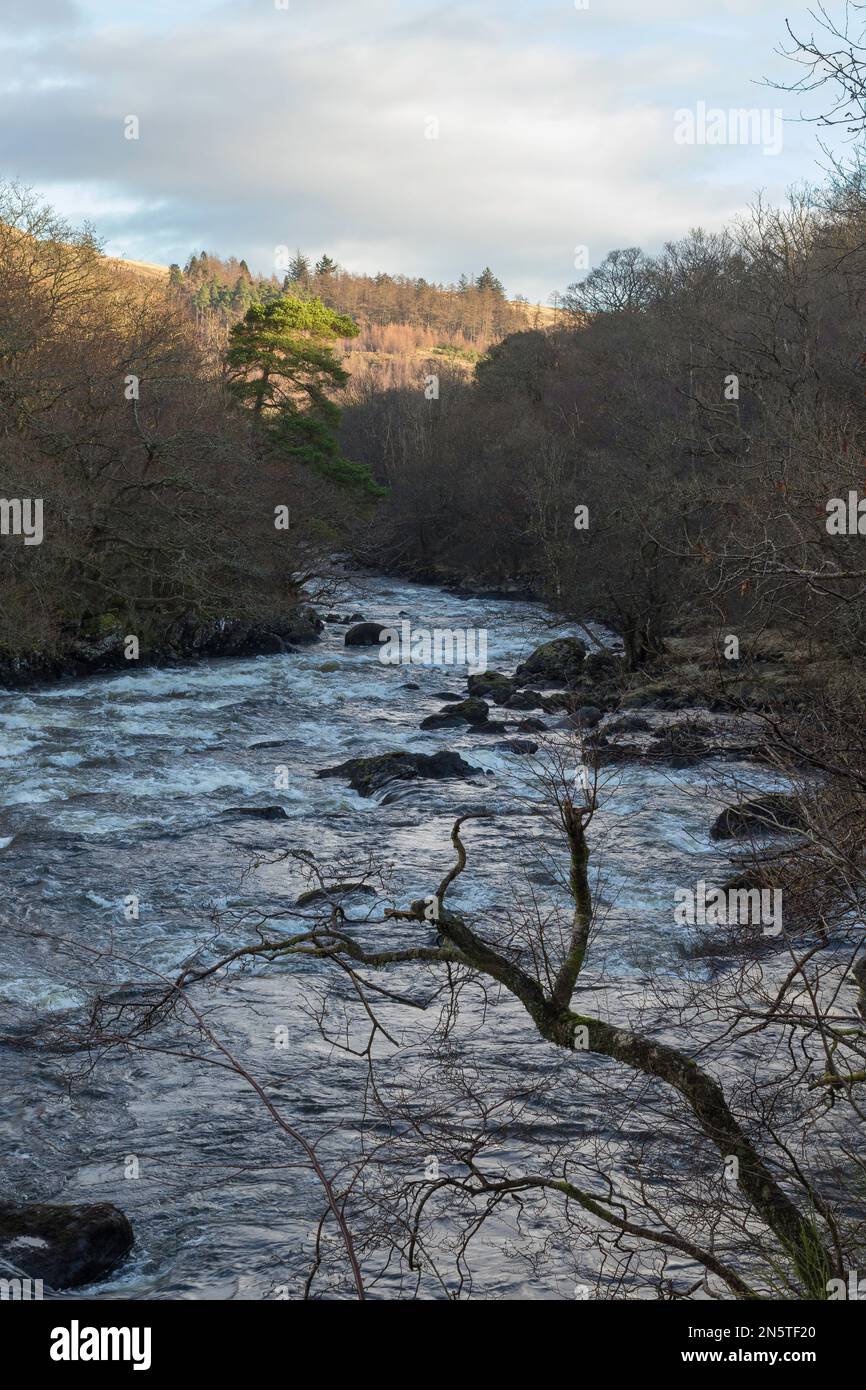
(262, 127)
(19, 17)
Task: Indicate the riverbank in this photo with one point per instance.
(694, 669)
(189, 639)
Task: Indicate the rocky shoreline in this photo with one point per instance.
(588, 693)
(188, 639)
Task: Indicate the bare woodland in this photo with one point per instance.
(704, 404)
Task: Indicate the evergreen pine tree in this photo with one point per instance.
(282, 368)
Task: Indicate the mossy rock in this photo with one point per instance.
(559, 660)
(492, 685)
(473, 710)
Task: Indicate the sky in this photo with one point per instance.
(425, 139)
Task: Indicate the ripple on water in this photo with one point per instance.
(136, 770)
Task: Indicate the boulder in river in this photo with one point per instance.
(238, 637)
(365, 634)
(773, 814)
(629, 724)
(65, 1246)
(598, 682)
(491, 685)
(585, 717)
(526, 699)
(336, 890)
(559, 660)
(258, 812)
(368, 775)
(471, 711)
(601, 667)
(517, 745)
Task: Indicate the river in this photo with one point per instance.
(115, 787)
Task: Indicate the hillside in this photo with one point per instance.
(148, 269)
(410, 328)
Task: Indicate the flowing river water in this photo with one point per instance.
(118, 785)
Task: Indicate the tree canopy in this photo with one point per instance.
(281, 367)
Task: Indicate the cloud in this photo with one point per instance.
(261, 127)
(20, 17)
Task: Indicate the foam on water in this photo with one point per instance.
(111, 786)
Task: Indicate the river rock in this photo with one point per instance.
(602, 667)
(517, 745)
(65, 1246)
(605, 753)
(773, 814)
(257, 812)
(629, 724)
(469, 711)
(560, 660)
(491, 685)
(365, 634)
(472, 710)
(525, 699)
(368, 775)
(337, 890)
(235, 637)
(585, 717)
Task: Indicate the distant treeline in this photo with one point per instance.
(475, 311)
(703, 405)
